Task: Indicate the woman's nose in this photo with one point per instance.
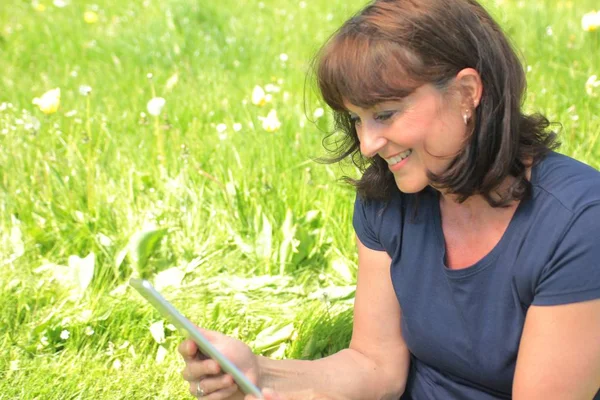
(371, 141)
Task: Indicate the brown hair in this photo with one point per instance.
(392, 47)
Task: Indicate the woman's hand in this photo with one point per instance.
(204, 374)
(269, 394)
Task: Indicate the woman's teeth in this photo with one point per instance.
(398, 158)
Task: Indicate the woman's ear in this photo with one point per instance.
(470, 86)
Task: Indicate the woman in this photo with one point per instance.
(478, 245)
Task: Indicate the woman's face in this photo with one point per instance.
(423, 132)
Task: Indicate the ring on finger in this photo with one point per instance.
(199, 390)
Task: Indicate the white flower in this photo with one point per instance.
(591, 84)
(258, 96)
(89, 330)
(221, 128)
(270, 123)
(64, 335)
(319, 112)
(270, 88)
(117, 364)
(237, 127)
(14, 365)
(49, 102)
(591, 21)
(85, 90)
(60, 3)
(155, 106)
(283, 57)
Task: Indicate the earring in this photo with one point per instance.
(466, 117)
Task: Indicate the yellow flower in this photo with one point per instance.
(49, 102)
(591, 21)
(37, 6)
(270, 123)
(90, 17)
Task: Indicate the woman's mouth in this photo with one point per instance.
(398, 158)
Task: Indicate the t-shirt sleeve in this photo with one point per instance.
(364, 222)
(573, 273)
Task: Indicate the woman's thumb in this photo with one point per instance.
(270, 394)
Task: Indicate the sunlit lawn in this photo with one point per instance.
(216, 199)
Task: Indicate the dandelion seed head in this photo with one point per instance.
(221, 128)
(155, 106)
(85, 90)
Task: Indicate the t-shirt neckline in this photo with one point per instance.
(488, 259)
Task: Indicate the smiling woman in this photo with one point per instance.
(391, 49)
(478, 245)
(419, 136)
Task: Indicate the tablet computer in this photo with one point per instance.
(168, 311)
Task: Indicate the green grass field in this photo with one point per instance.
(234, 222)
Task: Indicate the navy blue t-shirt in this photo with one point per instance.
(463, 326)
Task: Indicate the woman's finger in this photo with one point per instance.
(188, 349)
(222, 394)
(268, 394)
(214, 388)
(195, 370)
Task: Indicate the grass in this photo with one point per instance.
(252, 235)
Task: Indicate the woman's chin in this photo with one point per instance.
(408, 186)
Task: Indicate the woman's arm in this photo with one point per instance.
(376, 364)
(559, 354)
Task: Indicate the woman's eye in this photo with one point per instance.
(354, 119)
(384, 116)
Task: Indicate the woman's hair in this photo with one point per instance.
(390, 48)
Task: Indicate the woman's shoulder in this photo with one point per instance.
(572, 183)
